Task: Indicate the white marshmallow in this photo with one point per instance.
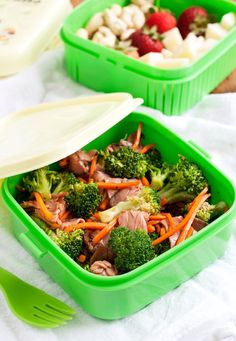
(228, 21)
(82, 33)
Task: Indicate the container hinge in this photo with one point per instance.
(31, 246)
(199, 149)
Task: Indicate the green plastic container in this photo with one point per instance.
(119, 296)
(171, 91)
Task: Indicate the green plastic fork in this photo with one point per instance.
(33, 305)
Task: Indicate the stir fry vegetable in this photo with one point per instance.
(116, 209)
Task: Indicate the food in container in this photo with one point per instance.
(103, 120)
(132, 29)
(171, 79)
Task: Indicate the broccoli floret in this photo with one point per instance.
(185, 182)
(153, 158)
(146, 200)
(161, 247)
(131, 248)
(41, 180)
(69, 242)
(125, 163)
(209, 212)
(65, 182)
(83, 200)
(158, 176)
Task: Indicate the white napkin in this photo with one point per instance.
(203, 308)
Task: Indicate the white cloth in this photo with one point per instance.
(203, 308)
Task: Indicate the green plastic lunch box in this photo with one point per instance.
(94, 122)
(172, 91)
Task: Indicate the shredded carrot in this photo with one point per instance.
(103, 205)
(104, 231)
(145, 181)
(87, 225)
(82, 258)
(82, 180)
(138, 137)
(47, 214)
(164, 201)
(145, 149)
(53, 226)
(162, 231)
(96, 215)
(92, 168)
(157, 217)
(190, 232)
(150, 228)
(170, 219)
(158, 228)
(188, 218)
(119, 185)
(152, 222)
(64, 215)
(204, 191)
(187, 227)
(184, 235)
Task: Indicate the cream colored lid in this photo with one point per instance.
(41, 135)
(26, 28)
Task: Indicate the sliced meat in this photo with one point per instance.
(125, 143)
(103, 268)
(70, 222)
(56, 205)
(79, 162)
(198, 224)
(30, 204)
(88, 239)
(175, 236)
(175, 209)
(115, 196)
(100, 176)
(173, 239)
(134, 220)
(132, 137)
(164, 223)
(102, 252)
(122, 143)
(123, 194)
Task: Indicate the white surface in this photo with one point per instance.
(63, 126)
(202, 309)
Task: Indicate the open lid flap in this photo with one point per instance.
(44, 134)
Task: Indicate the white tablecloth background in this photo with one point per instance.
(203, 308)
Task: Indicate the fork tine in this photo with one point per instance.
(48, 317)
(57, 305)
(40, 322)
(55, 312)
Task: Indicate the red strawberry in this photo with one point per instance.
(164, 21)
(145, 42)
(193, 19)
